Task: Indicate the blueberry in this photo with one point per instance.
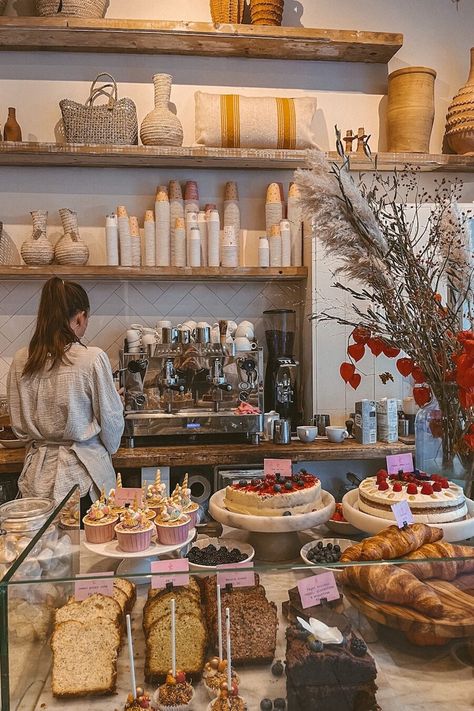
(316, 646)
(286, 513)
(288, 485)
(277, 669)
(266, 705)
(277, 487)
(279, 704)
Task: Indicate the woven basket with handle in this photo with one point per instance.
(71, 8)
(227, 11)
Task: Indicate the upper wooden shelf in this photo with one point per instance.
(100, 156)
(105, 273)
(196, 38)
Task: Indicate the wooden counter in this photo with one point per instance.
(11, 460)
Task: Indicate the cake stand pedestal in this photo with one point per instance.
(275, 538)
(453, 532)
(138, 563)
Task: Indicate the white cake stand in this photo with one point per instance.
(456, 531)
(275, 538)
(138, 563)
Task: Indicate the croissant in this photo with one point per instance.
(388, 583)
(442, 569)
(393, 542)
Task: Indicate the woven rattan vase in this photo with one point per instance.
(227, 11)
(161, 127)
(266, 12)
(70, 249)
(38, 250)
(72, 8)
(460, 117)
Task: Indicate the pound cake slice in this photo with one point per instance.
(191, 644)
(94, 606)
(130, 590)
(158, 606)
(84, 657)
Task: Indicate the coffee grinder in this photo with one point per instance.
(281, 375)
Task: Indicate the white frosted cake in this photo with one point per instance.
(274, 495)
(431, 500)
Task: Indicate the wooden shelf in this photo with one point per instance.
(104, 273)
(100, 156)
(196, 38)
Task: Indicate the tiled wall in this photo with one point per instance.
(115, 305)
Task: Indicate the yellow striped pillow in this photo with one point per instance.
(233, 121)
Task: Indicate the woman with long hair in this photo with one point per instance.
(63, 402)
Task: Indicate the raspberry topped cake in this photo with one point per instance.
(432, 498)
(274, 495)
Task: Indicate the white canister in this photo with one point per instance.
(195, 246)
(112, 241)
(263, 252)
(285, 233)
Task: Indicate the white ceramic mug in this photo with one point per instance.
(148, 339)
(245, 329)
(133, 339)
(243, 344)
(231, 327)
(307, 433)
(163, 324)
(203, 324)
(336, 434)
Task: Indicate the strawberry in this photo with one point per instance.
(427, 489)
(180, 677)
(397, 487)
(437, 486)
(412, 488)
(444, 484)
(383, 486)
(382, 474)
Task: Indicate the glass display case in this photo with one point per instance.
(395, 635)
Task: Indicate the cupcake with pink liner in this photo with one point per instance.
(134, 531)
(172, 525)
(182, 495)
(155, 494)
(99, 522)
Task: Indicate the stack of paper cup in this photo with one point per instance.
(179, 243)
(125, 242)
(285, 243)
(191, 204)
(135, 240)
(230, 247)
(162, 227)
(275, 246)
(149, 230)
(273, 207)
(213, 238)
(296, 225)
(176, 210)
(232, 208)
(191, 222)
(263, 252)
(203, 233)
(111, 240)
(195, 246)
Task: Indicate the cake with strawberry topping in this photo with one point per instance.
(274, 495)
(432, 498)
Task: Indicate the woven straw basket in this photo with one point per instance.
(266, 12)
(3, 4)
(9, 255)
(72, 8)
(227, 11)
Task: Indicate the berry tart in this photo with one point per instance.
(99, 522)
(175, 694)
(274, 495)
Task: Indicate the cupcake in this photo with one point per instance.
(119, 510)
(99, 522)
(172, 525)
(134, 531)
(182, 494)
(228, 701)
(175, 694)
(155, 494)
(214, 674)
(141, 701)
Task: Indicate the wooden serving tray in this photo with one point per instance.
(457, 597)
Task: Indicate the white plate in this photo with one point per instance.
(271, 524)
(111, 549)
(344, 528)
(12, 443)
(456, 531)
(219, 543)
(342, 542)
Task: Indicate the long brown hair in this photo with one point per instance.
(60, 302)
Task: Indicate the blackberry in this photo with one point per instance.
(279, 704)
(358, 646)
(266, 705)
(320, 545)
(277, 669)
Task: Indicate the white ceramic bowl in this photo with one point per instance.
(220, 543)
(343, 543)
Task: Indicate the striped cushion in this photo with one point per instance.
(233, 121)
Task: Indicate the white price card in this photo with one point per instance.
(402, 513)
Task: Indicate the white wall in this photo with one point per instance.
(436, 34)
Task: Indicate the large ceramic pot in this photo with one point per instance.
(161, 127)
(410, 109)
(460, 117)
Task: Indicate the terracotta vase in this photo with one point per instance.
(70, 249)
(410, 111)
(460, 117)
(161, 127)
(38, 250)
(12, 130)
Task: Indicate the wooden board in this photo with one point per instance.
(32, 153)
(196, 38)
(457, 597)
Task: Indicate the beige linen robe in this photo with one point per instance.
(71, 419)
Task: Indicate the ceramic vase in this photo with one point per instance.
(12, 130)
(161, 127)
(410, 111)
(460, 117)
(38, 250)
(70, 249)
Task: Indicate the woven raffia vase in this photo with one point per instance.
(227, 11)
(266, 12)
(410, 111)
(161, 127)
(70, 249)
(38, 250)
(460, 117)
(72, 8)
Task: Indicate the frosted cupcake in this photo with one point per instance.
(99, 522)
(214, 674)
(182, 494)
(134, 531)
(172, 525)
(155, 493)
(175, 694)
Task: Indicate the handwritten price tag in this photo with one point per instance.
(316, 588)
(237, 578)
(277, 466)
(397, 462)
(127, 495)
(402, 513)
(171, 571)
(90, 583)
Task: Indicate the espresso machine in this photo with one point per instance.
(190, 387)
(281, 375)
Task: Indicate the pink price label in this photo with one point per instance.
(402, 513)
(127, 495)
(244, 578)
(89, 584)
(316, 588)
(397, 462)
(277, 466)
(171, 571)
